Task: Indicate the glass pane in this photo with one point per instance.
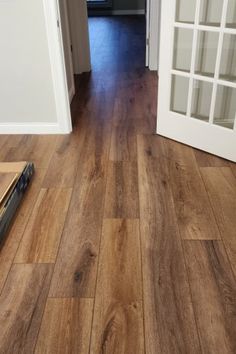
(182, 49)
(201, 100)
(179, 94)
(211, 12)
(228, 58)
(231, 14)
(206, 53)
(225, 109)
(185, 11)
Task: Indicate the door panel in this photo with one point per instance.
(197, 76)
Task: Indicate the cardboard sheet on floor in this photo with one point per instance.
(7, 179)
(14, 180)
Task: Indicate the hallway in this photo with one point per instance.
(125, 242)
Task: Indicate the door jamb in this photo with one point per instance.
(154, 34)
(57, 59)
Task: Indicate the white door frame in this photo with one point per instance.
(57, 59)
(153, 22)
(67, 46)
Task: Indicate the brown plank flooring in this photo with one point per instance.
(125, 240)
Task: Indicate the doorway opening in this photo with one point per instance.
(117, 43)
(102, 45)
(102, 41)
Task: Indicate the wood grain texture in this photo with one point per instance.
(76, 266)
(43, 232)
(65, 327)
(118, 320)
(207, 160)
(21, 307)
(221, 187)
(214, 295)
(35, 148)
(194, 213)
(11, 242)
(123, 138)
(63, 166)
(7, 142)
(193, 209)
(122, 190)
(169, 319)
(233, 167)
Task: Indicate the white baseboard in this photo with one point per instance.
(31, 128)
(127, 12)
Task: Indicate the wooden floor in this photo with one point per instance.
(126, 241)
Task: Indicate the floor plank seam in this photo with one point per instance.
(141, 250)
(12, 263)
(100, 241)
(220, 232)
(186, 271)
(53, 268)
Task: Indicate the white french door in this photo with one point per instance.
(197, 74)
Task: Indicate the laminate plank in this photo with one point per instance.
(233, 167)
(22, 303)
(214, 295)
(194, 213)
(221, 187)
(35, 148)
(12, 240)
(63, 165)
(76, 266)
(122, 190)
(195, 216)
(141, 101)
(169, 318)
(7, 142)
(123, 138)
(118, 321)
(208, 160)
(66, 327)
(41, 238)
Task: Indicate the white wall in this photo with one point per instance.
(26, 86)
(78, 18)
(128, 5)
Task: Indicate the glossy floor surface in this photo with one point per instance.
(125, 242)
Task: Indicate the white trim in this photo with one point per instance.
(128, 12)
(218, 60)
(203, 78)
(55, 45)
(31, 128)
(147, 32)
(193, 58)
(66, 38)
(154, 39)
(204, 27)
(200, 135)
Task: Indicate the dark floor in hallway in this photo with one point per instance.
(125, 242)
